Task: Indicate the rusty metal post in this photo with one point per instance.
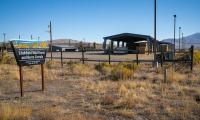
(137, 58)
(51, 41)
(165, 75)
(42, 72)
(192, 57)
(161, 61)
(61, 57)
(155, 32)
(109, 52)
(83, 57)
(21, 81)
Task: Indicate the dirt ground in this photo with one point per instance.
(101, 56)
(84, 94)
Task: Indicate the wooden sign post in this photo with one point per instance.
(29, 53)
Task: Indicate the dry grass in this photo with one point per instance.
(14, 112)
(7, 59)
(121, 71)
(30, 73)
(127, 92)
(49, 113)
(173, 76)
(83, 69)
(80, 116)
(9, 72)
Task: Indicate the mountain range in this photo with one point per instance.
(187, 41)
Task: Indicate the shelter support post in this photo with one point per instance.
(112, 43)
(118, 42)
(104, 43)
(122, 44)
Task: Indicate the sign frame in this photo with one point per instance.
(32, 61)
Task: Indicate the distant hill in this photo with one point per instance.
(76, 43)
(193, 39)
(64, 41)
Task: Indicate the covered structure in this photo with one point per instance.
(66, 48)
(133, 42)
(165, 46)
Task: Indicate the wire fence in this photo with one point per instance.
(116, 56)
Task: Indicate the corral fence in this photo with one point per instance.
(113, 56)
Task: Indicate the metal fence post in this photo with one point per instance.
(161, 61)
(165, 75)
(61, 57)
(83, 55)
(137, 58)
(192, 57)
(109, 54)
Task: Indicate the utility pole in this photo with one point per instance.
(155, 37)
(174, 35)
(4, 41)
(50, 32)
(38, 41)
(183, 46)
(179, 39)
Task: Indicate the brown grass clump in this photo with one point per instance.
(108, 100)
(52, 64)
(83, 69)
(7, 59)
(14, 112)
(128, 95)
(125, 112)
(49, 113)
(173, 76)
(9, 72)
(80, 116)
(98, 87)
(121, 71)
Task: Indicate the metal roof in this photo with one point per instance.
(165, 43)
(65, 46)
(129, 37)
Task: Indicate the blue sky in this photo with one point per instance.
(93, 19)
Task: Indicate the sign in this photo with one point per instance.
(29, 52)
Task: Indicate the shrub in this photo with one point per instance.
(103, 67)
(121, 72)
(130, 66)
(197, 57)
(117, 71)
